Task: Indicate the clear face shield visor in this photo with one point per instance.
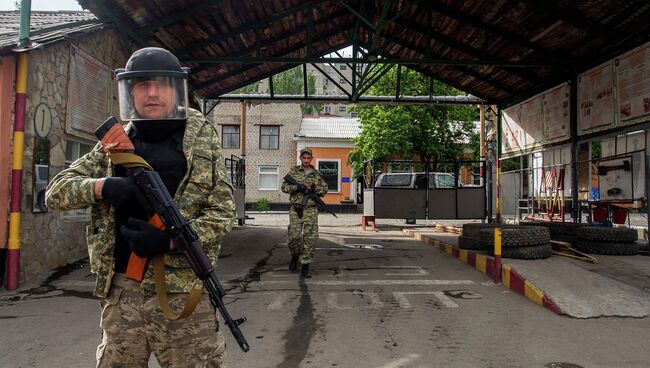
(152, 97)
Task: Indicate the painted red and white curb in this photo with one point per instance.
(510, 278)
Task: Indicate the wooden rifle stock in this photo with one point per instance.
(137, 266)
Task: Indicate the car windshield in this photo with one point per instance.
(396, 180)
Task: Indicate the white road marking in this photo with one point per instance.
(362, 282)
(374, 299)
(390, 282)
(400, 362)
(278, 301)
(419, 271)
(405, 304)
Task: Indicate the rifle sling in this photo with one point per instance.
(129, 160)
(161, 290)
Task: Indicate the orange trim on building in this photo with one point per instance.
(7, 79)
(341, 154)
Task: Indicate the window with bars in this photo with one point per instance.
(269, 137)
(230, 136)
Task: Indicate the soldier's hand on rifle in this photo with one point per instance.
(301, 188)
(312, 187)
(144, 239)
(122, 192)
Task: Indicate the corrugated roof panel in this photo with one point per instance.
(330, 127)
(46, 26)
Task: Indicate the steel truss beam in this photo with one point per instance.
(419, 61)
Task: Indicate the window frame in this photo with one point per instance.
(260, 137)
(259, 175)
(223, 136)
(338, 169)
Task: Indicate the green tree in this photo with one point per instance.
(427, 132)
(288, 82)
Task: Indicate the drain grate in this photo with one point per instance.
(562, 365)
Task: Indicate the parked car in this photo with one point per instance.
(437, 180)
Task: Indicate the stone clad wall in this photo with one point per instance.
(50, 240)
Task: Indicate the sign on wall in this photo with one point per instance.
(90, 94)
(555, 116)
(596, 99)
(633, 84)
(513, 135)
(531, 121)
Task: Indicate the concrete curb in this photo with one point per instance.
(511, 278)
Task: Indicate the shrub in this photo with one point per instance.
(262, 204)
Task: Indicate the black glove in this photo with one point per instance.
(301, 187)
(312, 187)
(144, 239)
(123, 192)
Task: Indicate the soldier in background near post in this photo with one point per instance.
(303, 213)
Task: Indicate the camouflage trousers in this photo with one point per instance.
(303, 233)
(134, 326)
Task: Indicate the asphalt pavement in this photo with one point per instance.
(377, 299)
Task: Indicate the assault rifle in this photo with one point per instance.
(167, 217)
(289, 179)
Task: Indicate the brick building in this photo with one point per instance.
(270, 150)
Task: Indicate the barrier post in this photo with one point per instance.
(497, 255)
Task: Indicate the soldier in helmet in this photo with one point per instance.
(183, 147)
(303, 215)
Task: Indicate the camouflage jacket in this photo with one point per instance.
(204, 197)
(297, 172)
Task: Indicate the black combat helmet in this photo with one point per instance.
(147, 66)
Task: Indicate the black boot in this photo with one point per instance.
(293, 265)
(305, 271)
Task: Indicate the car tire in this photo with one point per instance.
(608, 248)
(521, 236)
(607, 234)
(534, 252)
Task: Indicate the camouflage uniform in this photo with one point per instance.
(303, 232)
(204, 198)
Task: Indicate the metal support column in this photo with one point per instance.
(498, 163)
(573, 120)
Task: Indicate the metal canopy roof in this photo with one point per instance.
(501, 51)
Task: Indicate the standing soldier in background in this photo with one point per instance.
(183, 147)
(303, 215)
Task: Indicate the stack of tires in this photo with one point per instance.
(520, 242)
(560, 231)
(614, 241)
(471, 239)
